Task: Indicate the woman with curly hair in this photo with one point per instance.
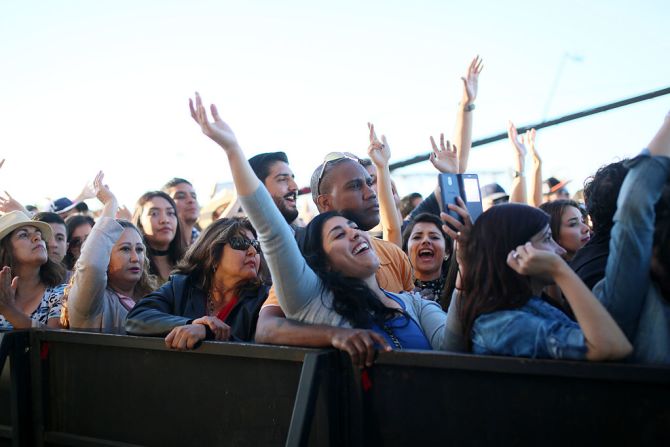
(111, 274)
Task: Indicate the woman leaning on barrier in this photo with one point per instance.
(336, 285)
(215, 292)
(507, 257)
(31, 286)
(111, 273)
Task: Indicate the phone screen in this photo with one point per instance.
(471, 189)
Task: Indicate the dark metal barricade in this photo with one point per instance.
(70, 388)
(418, 398)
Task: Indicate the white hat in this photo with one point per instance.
(17, 219)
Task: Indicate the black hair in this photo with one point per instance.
(406, 206)
(72, 223)
(174, 182)
(601, 192)
(48, 217)
(262, 163)
(352, 298)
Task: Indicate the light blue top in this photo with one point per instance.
(537, 330)
(299, 289)
(628, 293)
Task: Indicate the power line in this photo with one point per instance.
(543, 124)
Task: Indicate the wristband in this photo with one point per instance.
(469, 108)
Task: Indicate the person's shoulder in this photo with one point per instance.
(386, 246)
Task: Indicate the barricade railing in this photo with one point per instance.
(74, 388)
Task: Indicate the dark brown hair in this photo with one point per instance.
(205, 254)
(489, 284)
(177, 245)
(555, 210)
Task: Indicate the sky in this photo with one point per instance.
(104, 85)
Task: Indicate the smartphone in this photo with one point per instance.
(465, 186)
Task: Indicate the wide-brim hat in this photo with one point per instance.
(62, 205)
(552, 185)
(17, 219)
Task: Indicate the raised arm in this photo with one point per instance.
(9, 204)
(535, 196)
(380, 154)
(604, 339)
(518, 191)
(463, 133)
(295, 282)
(85, 298)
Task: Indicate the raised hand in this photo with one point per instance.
(458, 231)
(471, 81)
(444, 158)
(7, 289)
(217, 130)
(528, 260)
(378, 151)
(9, 204)
(124, 213)
(517, 143)
(102, 191)
(529, 141)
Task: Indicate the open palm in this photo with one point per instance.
(217, 130)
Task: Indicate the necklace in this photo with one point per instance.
(154, 252)
(430, 290)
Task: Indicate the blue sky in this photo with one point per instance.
(104, 85)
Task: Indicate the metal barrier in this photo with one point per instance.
(71, 388)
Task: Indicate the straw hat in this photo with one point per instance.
(17, 219)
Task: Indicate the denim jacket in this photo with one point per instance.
(627, 291)
(537, 329)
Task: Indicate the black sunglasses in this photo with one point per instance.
(243, 244)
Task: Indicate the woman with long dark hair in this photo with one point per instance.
(335, 283)
(156, 217)
(568, 225)
(78, 228)
(509, 256)
(215, 292)
(429, 249)
(111, 274)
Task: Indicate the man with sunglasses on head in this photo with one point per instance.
(340, 184)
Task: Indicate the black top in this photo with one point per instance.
(179, 301)
(591, 260)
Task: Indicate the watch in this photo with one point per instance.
(469, 108)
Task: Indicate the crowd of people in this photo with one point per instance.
(538, 274)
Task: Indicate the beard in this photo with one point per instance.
(289, 212)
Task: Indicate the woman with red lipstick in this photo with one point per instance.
(156, 217)
(111, 274)
(568, 225)
(30, 283)
(215, 293)
(428, 248)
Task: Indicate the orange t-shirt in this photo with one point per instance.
(394, 273)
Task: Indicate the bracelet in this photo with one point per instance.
(469, 108)
(518, 174)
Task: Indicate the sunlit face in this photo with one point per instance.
(237, 266)
(126, 260)
(28, 248)
(57, 244)
(186, 200)
(78, 238)
(281, 185)
(348, 249)
(159, 222)
(351, 193)
(574, 232)
(426, 248)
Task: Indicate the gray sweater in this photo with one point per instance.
(299, 289)
(91, 304)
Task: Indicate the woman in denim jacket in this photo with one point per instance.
(636, 287)
(508, 257)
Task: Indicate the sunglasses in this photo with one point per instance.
(243, 244)
(330, 157)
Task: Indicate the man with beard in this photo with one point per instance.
(341, 184)
(272, 169)
(188, 210)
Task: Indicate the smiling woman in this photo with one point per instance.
(30, 283)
